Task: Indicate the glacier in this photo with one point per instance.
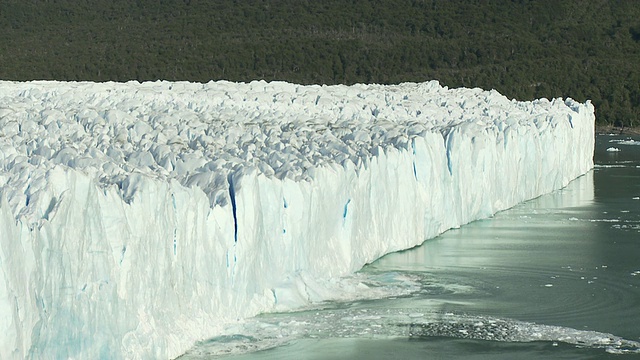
(139, 218)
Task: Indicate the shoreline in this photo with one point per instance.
(610, 129)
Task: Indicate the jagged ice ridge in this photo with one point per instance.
(137, 219)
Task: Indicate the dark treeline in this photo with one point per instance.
(524, 49)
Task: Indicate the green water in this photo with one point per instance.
(551, 278)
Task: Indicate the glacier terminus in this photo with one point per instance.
(139, 218)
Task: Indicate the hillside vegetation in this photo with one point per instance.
(524, 49)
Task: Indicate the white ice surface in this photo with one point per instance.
(137, 219)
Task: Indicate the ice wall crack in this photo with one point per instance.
(232, 197)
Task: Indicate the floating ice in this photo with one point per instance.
(273, 330)
(137, 219)
(625, 142)
(613, 149)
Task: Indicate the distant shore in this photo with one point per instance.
(610, 129)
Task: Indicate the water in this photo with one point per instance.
(556, 277)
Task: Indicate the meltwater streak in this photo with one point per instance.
(442, 301)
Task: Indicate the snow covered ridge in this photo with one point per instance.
(136, 219)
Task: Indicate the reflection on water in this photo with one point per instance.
(556, 277)
(477, 244)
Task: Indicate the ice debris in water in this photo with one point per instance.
(625, 142)
(272, 330)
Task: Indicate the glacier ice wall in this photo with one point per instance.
(136, 219)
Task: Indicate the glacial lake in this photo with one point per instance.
(556, 277)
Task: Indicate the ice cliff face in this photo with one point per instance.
(135, 219)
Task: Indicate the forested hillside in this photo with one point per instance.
(584, 49)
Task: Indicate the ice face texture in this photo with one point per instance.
(135, 219)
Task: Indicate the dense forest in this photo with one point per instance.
(584, 49)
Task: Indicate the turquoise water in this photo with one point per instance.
(556, 277)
